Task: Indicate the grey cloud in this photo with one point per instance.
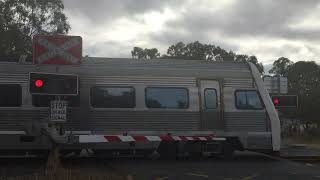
(243, 18)
(265, 17)
(250, 18)
(309, 35)
(109, 49)
(107, 10)
(284, 50)
(291, 51)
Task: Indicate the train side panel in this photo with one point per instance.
(251, 126)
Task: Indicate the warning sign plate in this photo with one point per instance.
(57, 49)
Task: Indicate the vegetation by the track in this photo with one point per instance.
(307, 141)
(55, 171)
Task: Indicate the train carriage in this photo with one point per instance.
(125, 104)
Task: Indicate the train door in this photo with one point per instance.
(210, 105)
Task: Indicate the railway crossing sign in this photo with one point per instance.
(57, 49)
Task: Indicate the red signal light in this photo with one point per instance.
(39, 83)
(276, 101)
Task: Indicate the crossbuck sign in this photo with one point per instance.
(57, 49)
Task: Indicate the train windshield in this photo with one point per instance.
(248, 100)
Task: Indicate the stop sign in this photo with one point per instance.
(57, 49)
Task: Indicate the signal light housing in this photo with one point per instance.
(285, 100)
(53, 84)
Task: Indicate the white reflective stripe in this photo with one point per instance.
(189, 138)
(153, 138)
(101, 138)
(92, 138)
(13, 132)
(219, 139)
(176, 138)
(126, 138)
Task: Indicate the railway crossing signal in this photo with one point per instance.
(53, 84)
(285, 100)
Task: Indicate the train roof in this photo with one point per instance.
(97, 66)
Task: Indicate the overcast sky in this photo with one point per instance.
(267, 28)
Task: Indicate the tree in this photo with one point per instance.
(176, 50)
(304, 80)
(20, 20)
(254, 60)
(209, 52)
(137, 52)
(152, 53)
(241, 58)
(140, 53)
(197, 51)
(280, 66)
(226, 56)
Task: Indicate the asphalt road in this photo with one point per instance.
(245, 166)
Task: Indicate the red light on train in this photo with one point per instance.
(276, 101)
(39, 83)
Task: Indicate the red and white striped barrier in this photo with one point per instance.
(122, 138)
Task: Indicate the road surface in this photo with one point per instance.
(245, 166)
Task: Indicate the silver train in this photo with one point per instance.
(184, 98)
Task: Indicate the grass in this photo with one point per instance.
(311, 142)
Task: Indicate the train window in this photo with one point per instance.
(10, 95)
(248, 99)
(112, 97)
(161, 97)
(210, 98)
(44, 100)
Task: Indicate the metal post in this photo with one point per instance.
(279, 86)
